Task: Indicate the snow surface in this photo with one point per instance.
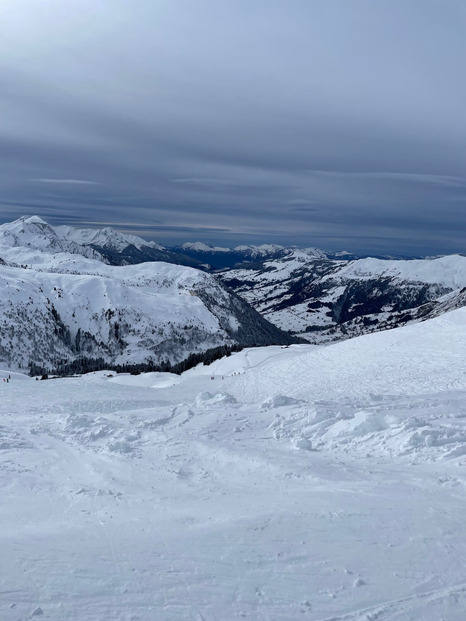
(300, 482)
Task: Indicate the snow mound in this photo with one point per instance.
(278, 401)
(418, 428)
(361, 424)
(208, 399)
(303, 443)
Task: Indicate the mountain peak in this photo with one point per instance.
(31, 220)
(29, 227)
(32, 232)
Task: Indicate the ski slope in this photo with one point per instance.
(278, 483)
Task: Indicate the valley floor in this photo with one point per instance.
(306, 482)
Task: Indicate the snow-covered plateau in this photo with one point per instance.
(323, 483)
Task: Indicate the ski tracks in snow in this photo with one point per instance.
(445, 603)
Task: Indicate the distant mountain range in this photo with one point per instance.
(70, 294)
(217, 258)
(115, 248)
(325, 300)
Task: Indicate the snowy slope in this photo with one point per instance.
(325, 300)
(302, 482)
(65, 307)
(448, 271)
(417, 357)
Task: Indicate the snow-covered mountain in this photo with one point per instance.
(202, 247)
(220, 257)
(122, 249)
(325, 299)
(116, 248)
(106, 245)
(59, 308)
(305, 292)
(104, 238)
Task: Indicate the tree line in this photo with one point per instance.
(83, 364)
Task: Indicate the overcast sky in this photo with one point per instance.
(339, 124)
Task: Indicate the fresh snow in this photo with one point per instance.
(278, 483)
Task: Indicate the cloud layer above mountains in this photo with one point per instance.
(334, 124)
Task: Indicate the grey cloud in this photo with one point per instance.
(65, 181)
(315, 123)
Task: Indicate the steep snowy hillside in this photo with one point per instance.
(299, 483)
(326, 300)
(64, 308)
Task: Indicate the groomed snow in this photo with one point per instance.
(278, 483)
